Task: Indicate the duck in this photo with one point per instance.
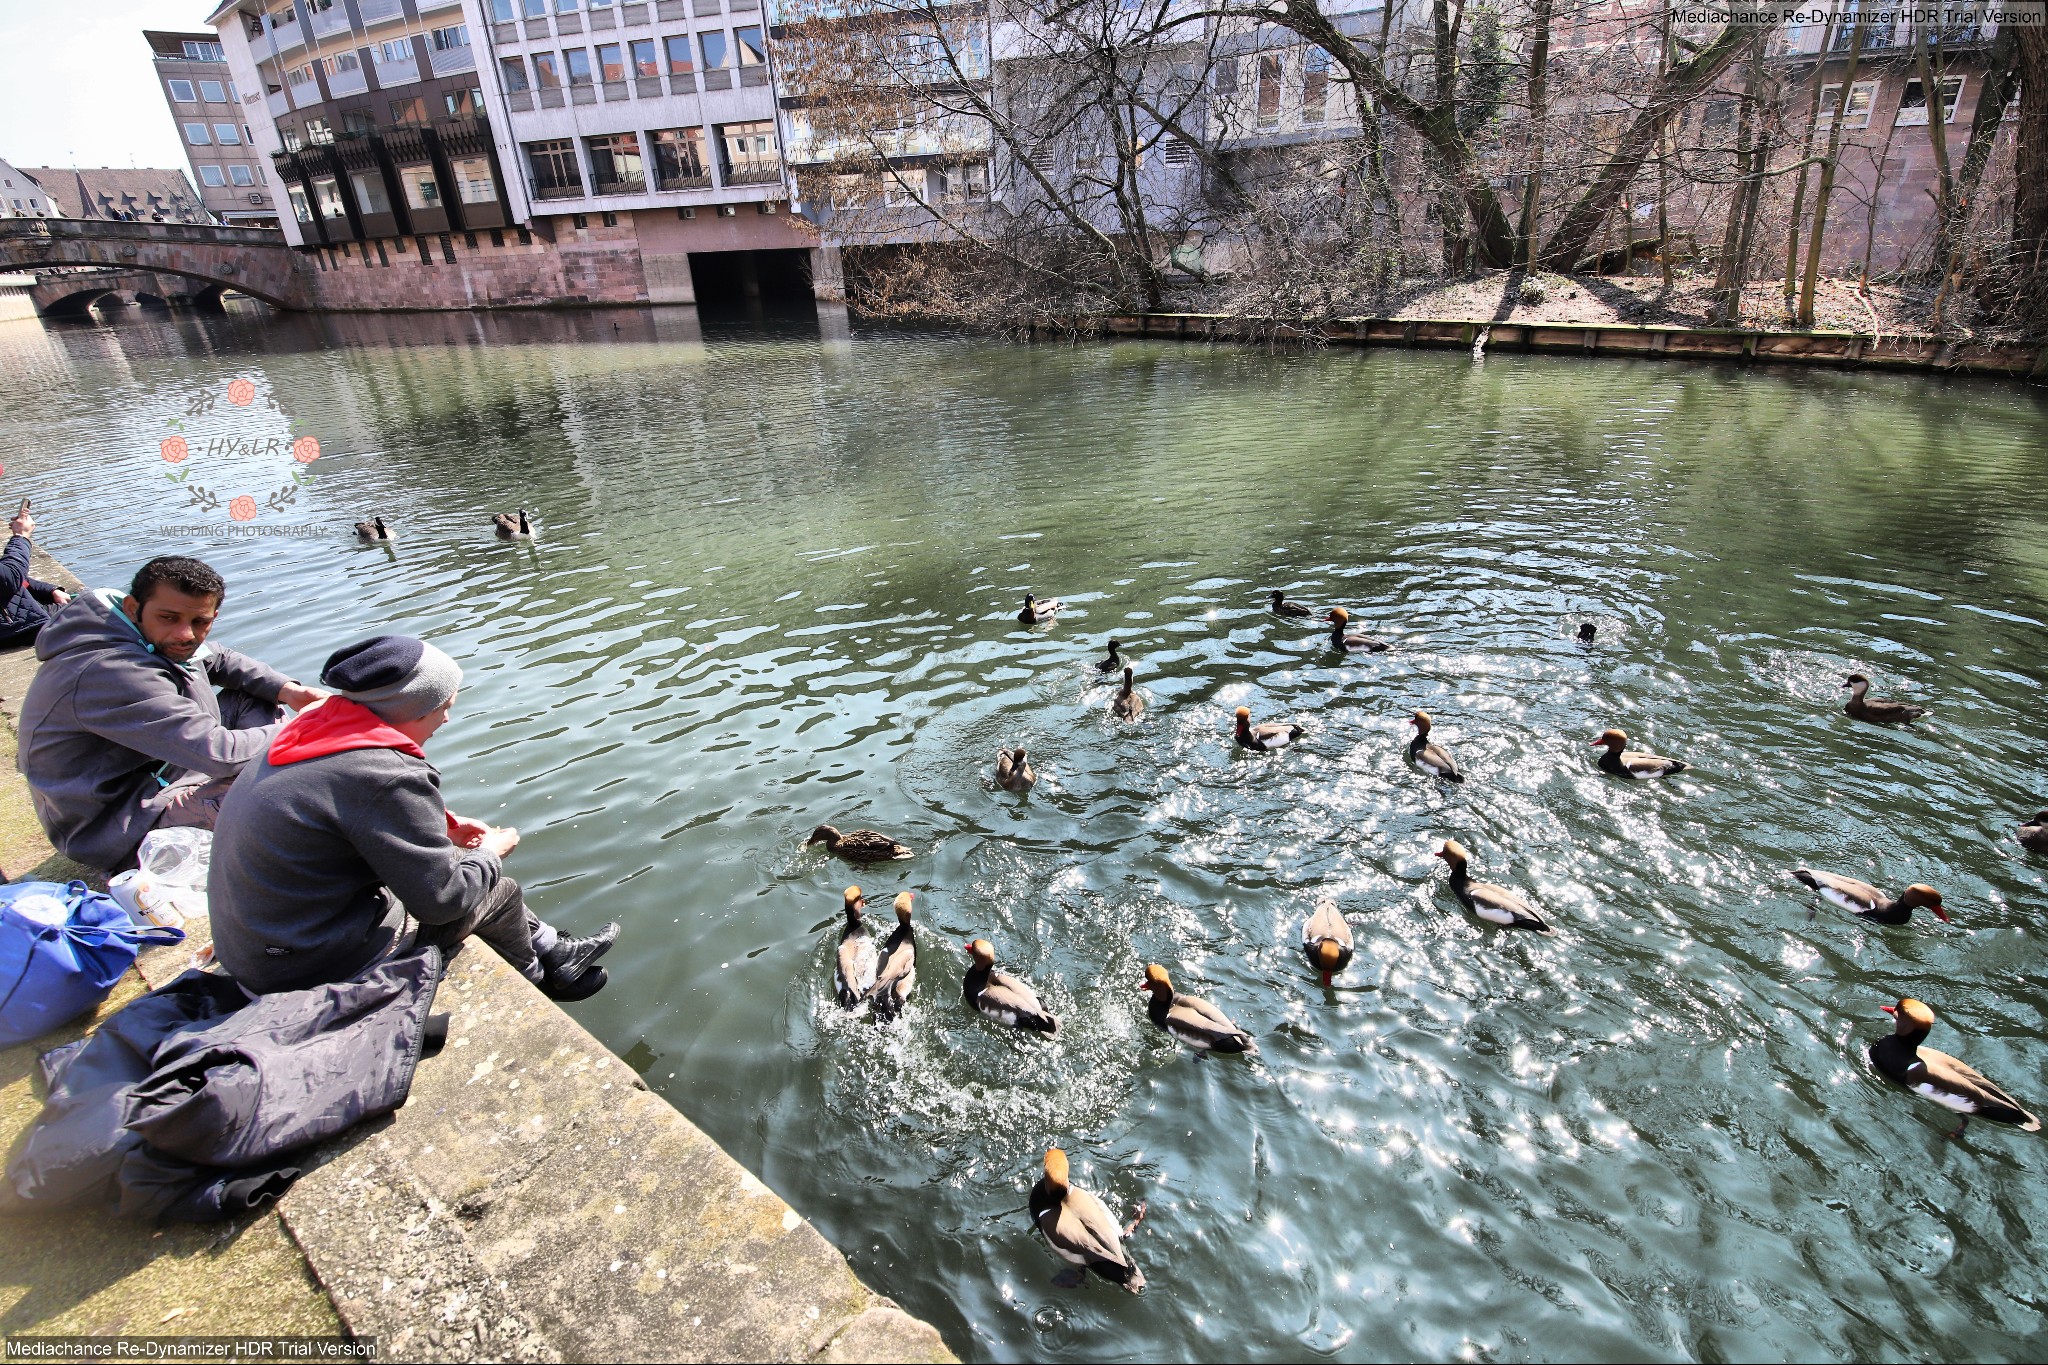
(1877, 712)
(2035, 836)
(511, 526)
(853, 974)
(1354, 644)
(373, 529)
(1867, 902)
(1429, 757)
(896, 971)
(858, 846)
(1940, 1077)
(1038, 610)
(1271, 735)
(1128, 704)
(1326, 940)
(1111, 664)
(1625, 762)
(1078, 1228)
(1494, 904)
(1003, 997)
(1587, 632)
(1192, 1021)
(1013, 770)
(1282, 607)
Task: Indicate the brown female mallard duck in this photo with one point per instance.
(858, 846)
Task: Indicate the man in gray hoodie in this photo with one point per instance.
(329, 842)
(122, 730)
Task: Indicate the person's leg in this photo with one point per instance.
(194, 804)
(502, 920)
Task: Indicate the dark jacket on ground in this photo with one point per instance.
(24, 601)
(310, 837)
(194, 1102)
(108, 725)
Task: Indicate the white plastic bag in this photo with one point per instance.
(177, 857)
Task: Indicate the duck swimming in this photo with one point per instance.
(1427, 756)
(1112, 664)
(1078, 1228)
(2035, 836)
(1940, 1077)
(896, 972)
(1270, 735)
(1353, 644)
(373, 529)
(1587, 632)
(1494, 904)
(1038, 610)
(1192, 1021)
(1326, 940)
(1013, 770)
(1867, 902)
(511, 527)
(1128, 704)
(1625, 762)
(1877, 712)
(1282, 607)
(1000, 996)
(858, 846)
(853, 974)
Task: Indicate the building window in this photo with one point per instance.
(576, 61)
(1269, 90)
(410, 113)
(357, 123)
(713, 45)
(450, 39)
(566, 6)
(679, 159)
(680, 61)
(615, 166)
(213, 92)
(291, 139)
(340, 63)
(1315, 85)
(227, 134)
(611, 62)
(301, 210)
(422, 191)
(645, 62)
(466, 103)
(317, 131)
(1861, 96)
(370, 195)
(196, 134)
(395, 50)
(209, 176)
(241, 175)
(473, 180)
(503, 11)
(181, 91)
(204, 52)
(299, 75)
(963, 184)
(514, 72)
(327, 194)
(902, 187)
(749, 152)
(547, 71)
(536, 9)
(1913, 103)
(555, 172)
(753, 47)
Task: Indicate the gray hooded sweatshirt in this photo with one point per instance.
(109, 727)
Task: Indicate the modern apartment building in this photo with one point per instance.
(219, 142)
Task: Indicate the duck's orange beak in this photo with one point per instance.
(1889, 1009)
(1940, 913)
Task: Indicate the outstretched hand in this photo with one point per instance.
(298, 696)
(466, 833)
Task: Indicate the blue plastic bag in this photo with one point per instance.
(62, 948)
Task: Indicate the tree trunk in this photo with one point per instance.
(1931, 74)
(2030, 201)
(1798, 214)
(1664, 152)
(1817, 238)
(2001, 77)
(1539, 118)
(1728, 279)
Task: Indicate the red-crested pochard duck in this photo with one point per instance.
(1014, 772)
(1623, 761)
(1345, 640)
(1038, 610)
(1192, 1021)
(858, 846)
(1940, 1077)
(896, 972)
(1326, 940)
(1494, 904)
(853, 973)
(1270, 735)
(1283, 607)
(1000, 996)
(1078, 1228)
(1877, 711)
(1866, 901)
(1429, 757)
(1128, 704)
(2035, 836)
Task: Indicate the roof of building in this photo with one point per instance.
(172, 44)
(110, 192)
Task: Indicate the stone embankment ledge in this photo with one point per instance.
(1843, 349)
(533, 1200)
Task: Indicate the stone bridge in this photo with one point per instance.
(255, 261)
(73, 293)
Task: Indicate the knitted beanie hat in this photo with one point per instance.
(397, 676)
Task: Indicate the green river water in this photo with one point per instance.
(775, 586)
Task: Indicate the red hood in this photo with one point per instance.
(336, 726)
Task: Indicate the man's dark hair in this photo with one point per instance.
(180, 572)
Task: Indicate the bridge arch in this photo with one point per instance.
(253, 261)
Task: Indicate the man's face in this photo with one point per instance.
(173, 621)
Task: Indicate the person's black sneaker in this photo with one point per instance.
(569, 989)
(570, 956)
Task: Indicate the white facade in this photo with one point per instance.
(21, 197)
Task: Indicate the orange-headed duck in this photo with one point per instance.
(1864, 900)
(1270, 735)
(1429, 757)
(1494, 904)
(1003, 997)
(1078, 1228)
(1940, 1077)
(1623, 761)
(853, 974)
(1345, 640)
(1192, 1021)
(1326, 940)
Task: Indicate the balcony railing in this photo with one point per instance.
(328, 21)
(376, 11)
(454, 59)
(685, 182)
(636, 185)
(347, 82)
(558, 192)
(397, 73)
(754, 173)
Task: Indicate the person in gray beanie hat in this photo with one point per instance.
(339, 836)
